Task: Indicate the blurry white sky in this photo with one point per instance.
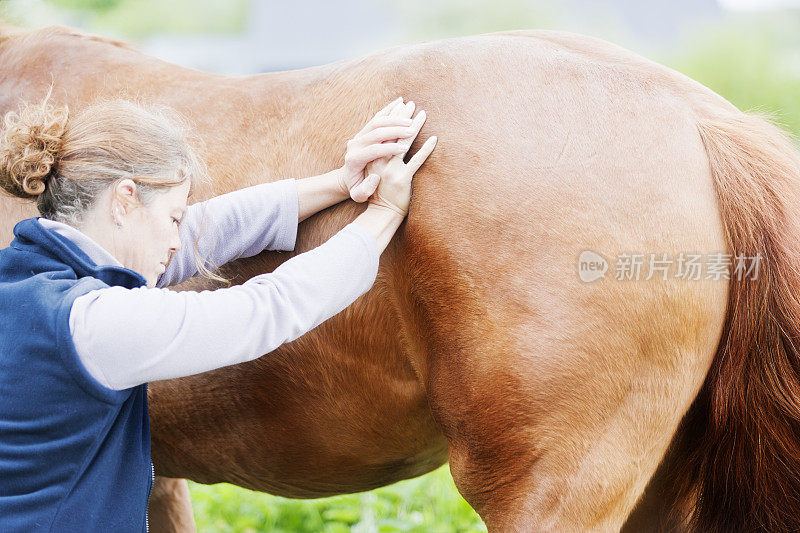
(758, 4)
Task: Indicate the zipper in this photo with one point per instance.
(149, 491)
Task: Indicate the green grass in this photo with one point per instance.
(429, 503)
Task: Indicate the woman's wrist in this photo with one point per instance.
(338, 183)
(319, 192)
(382, 222)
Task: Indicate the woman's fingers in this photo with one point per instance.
(388, 108)
(395, 110)
(416, 125)
(374, 151)
(383, 122)
(421, 155)
(362, 191)
(407, 110)
(381, 115)
(389, 133)
(401, 111)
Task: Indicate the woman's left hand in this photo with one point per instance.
(370, 144)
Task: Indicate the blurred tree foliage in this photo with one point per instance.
(753, 62)
(438, 19)
(133, 19)
(87, 5)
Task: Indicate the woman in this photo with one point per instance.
(87, 321)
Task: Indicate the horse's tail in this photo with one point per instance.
(735, 461)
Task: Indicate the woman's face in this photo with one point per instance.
(149, 234)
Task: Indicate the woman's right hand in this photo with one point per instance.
(394, 188)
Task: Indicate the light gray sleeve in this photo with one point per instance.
(125, 337)
(237, 224)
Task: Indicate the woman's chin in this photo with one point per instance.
(152, 279)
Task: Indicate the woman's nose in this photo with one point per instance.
(176, 243)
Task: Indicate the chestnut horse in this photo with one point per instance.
(556, 400)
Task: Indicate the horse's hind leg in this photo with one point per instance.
(556, 421)
(561, 452)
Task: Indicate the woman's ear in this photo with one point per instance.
(126, 195)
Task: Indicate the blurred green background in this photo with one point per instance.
(747, 51)
(429, 503)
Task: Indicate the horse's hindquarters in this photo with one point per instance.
(559, 396)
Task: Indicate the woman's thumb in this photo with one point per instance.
(365, 189)
(371, 183)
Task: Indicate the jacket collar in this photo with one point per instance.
(99, 255)
(31, 235)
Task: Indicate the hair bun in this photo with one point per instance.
(30, 146)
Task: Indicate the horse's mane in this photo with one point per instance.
(7, 31)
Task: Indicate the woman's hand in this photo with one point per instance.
(372, 143)
(394, 187)
(397, 109)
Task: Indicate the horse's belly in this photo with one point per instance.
(297, 425)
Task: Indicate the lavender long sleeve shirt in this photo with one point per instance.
(125, 337)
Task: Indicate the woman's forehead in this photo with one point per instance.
(184, 190)
(174, 197)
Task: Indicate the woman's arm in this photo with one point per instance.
(240, 223)
(125, 337)
(318, 192)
